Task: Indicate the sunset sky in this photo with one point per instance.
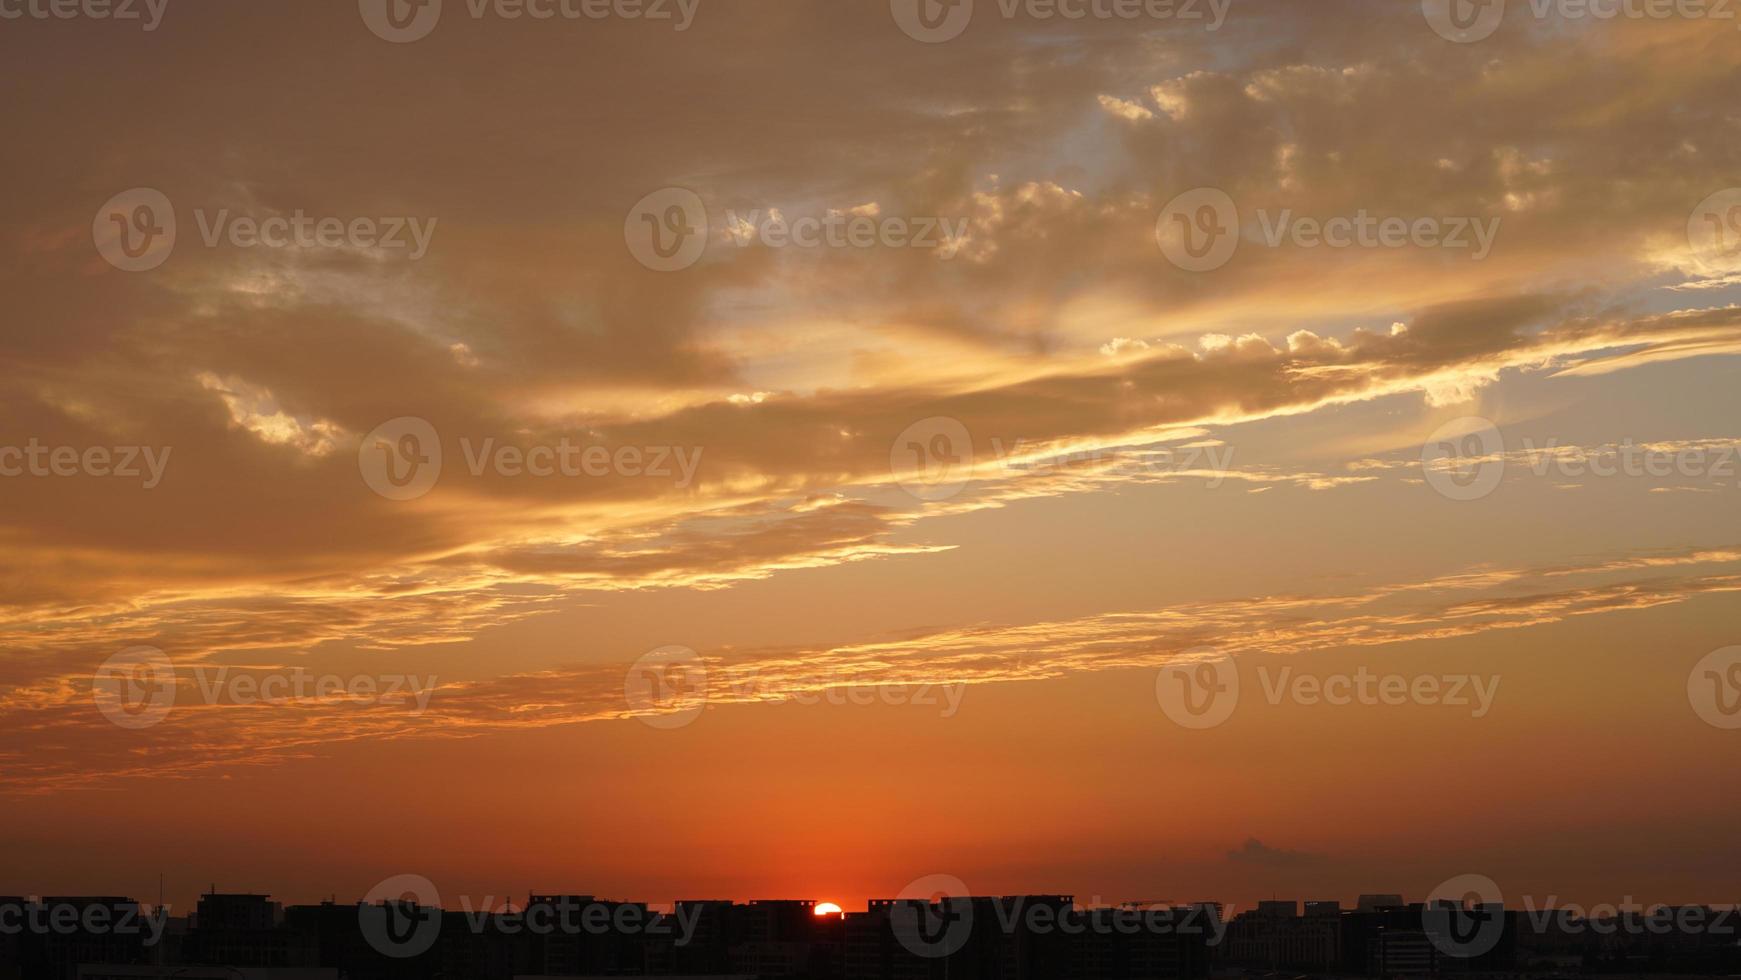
(1155, 464)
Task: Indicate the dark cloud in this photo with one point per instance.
(1254, 851)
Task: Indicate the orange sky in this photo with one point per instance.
(885, 673)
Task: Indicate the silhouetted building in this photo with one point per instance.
(245, 930)
(1031, 937)
(12, 940)
(81, 930)
(106, 972)
(706, 946)
(786, 939)
(579, 935)
(1130, 942)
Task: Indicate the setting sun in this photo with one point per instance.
(827, 908)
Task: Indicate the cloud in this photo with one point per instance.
(1059, 327)
(1254, 851)
(201, 737)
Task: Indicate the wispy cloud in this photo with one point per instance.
(206, 737)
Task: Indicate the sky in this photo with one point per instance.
(799, 450)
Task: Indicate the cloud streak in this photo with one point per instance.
(201, 738)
